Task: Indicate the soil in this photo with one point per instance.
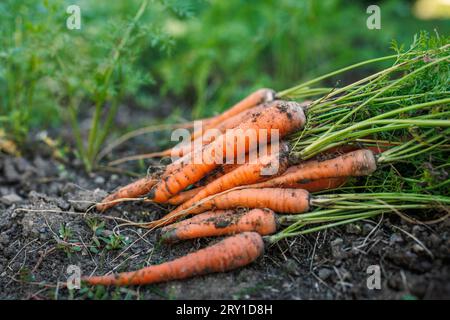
(44, 228)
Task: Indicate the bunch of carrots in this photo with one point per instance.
(315, 145)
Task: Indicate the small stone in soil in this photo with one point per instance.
(395, 238)
(336, 248)
(4, 238)
(291, 267)
(324, 273)
(9, 171)
(417, 248)
(43, 167)
(99, 180)
(353, 228)
(84, 199)
(416, 230)
(11, 198)
(367, 227)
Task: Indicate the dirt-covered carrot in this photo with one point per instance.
(213, 175)
(226, 120)
(258, 97)
(218, 172)
(231, 253)
(318, 185)
(219, 223)
(207, 137)
(132, 190)
(248, 173)
(277, 199)
(308, 185)
(285, 117)
(185, 152)
(352, 164)
(184, 196)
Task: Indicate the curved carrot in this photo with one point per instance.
(351, 147)
(247, 173)
(206, 138)
(123, 192)
(352, 164)
(277, 199)
(132, 190)
(219, 172)
(317, 185)
(286, 117)
(252, 100)
(308, 185)
(226, 120)
(219, 223)
(185, 152)
(228, 254)
(184, 196)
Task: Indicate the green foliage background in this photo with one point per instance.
(196, 56)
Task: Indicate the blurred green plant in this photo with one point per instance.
(234, 47)
(49, 73)
(139, 52)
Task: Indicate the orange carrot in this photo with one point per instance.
(247, 173)
(219, 223)
(277, 199)
(317, 185)
(252, 100)
(183, 196)
(339, 150)
(133, 190)
(352, 164)
(227, 120)
(228, 254)
(207, 137)
(185, 152)
(218, 172)
(280, 200)
(308, 185)
(286, 117)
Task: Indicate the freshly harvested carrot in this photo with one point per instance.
(247, 173)
(207, 137)
(132, 190)
(308, 185)
(317, 185)
(285, 117)
(356, 163)
(311, 186)
(219, 223)
(231, 253)
(349, 147)
(185, 152)
(183, 196)
(227, 120)
(252, 100)
(186, 159)
(218, 172)
(277, 199)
